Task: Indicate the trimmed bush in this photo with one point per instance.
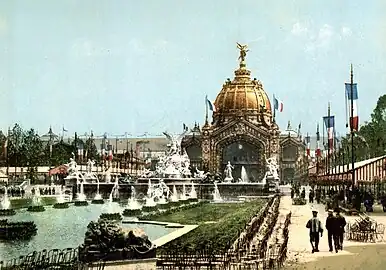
(81, 203)
(99, 201)
(111, 216)
(20, 230)
(131, 212)
(193, 200)
(116, 200)
(36, 208)
(174, 204)
(63, 205)
(7, 212)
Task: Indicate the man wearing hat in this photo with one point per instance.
(315, 227)
(332, 231)
(341, 223)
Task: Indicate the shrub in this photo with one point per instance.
(111, 216)
(7, 212)
(63, 205)
(81, 203)
(131, 212)
(36, 208)
(20, 230)
(99, 201)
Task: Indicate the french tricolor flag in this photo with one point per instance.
(317, 150)
(329, 122)
(211, 105)
(278, 105)
(308, 151)
(352, 97)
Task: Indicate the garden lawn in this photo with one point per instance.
(230, 221)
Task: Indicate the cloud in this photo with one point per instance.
(320, 38)
(299, 29)
(346, 31)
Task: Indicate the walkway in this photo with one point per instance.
(299, 247)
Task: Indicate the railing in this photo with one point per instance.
(52, 259)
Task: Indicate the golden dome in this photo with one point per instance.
(242, 94)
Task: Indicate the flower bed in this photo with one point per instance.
(131, 212)
(229, 219)
(63, 205)
(17, 230)
(174, 204)
(98, 201)
(36, 208)
(7, 212)
(298, 201)
(149, 209)
(111, 216)
(81, 203)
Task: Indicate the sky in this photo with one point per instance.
(139, 67)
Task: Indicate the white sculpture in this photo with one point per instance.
(176, 162)
(90, 166)
(272, 167)
(72, 166)
(228, 172)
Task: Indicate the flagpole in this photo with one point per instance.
(328, 137)
(274, 110)
(352, 127)
(317, 147)
(206, 109)
(7, 157)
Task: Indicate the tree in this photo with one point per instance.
(15, 143)
(61, 153)
(91, 149)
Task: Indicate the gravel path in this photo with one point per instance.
(299, 248)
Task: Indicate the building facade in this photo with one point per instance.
(243, 132)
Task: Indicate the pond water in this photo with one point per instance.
(64, 228)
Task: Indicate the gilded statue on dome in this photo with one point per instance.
(243, 51)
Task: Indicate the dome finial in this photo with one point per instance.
(243, 53)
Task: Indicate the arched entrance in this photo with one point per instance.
(288, 175)
(243, 153)
(195, 155)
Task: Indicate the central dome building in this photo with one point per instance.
(242, 130)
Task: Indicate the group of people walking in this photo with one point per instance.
(334, 225)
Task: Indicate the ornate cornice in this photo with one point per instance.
(240, 126)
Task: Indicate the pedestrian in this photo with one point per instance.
(315, 227)
(311, 196)
(341, 223)
(332, 231)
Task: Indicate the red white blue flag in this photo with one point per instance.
(211, 105)
(317, 151)
(278, 104)
(352, 97)
(329, 122)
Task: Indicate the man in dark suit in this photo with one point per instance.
(315, 227)
(341, 223)
(332, 229)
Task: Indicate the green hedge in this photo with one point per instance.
(26, 202)
(219, 236)
(63, 205)
(111, 216)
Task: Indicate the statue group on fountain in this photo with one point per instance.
(272, 168)
(175, 163)
(228, 172)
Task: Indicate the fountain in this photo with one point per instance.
(174, 197)
(244, 175)
(228, 173)
(5, 205)
(134, 208)
(36, 202)
(61, 200)
(193, 193)
(183, 195)
(150, 199)
(216, 194)
(81, 199)
(98, 197)
(114, 194)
